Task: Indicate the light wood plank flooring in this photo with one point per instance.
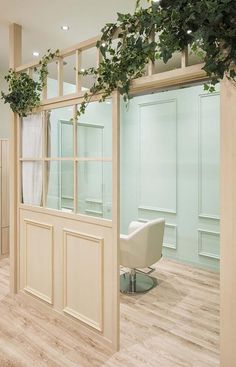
(176, 324)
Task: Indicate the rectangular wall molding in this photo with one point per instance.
(208, 195)
(170, 236)
(39, 244)
(158, 125)
(208, 241)
(158, 210)
(83, 274)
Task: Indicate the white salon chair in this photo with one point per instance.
(140, 249)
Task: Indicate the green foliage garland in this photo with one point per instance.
(24, 92)
(207, 26)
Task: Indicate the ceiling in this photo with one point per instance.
(42, 21)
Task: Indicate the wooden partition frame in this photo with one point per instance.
(15, 42)
(153, 82)
(102, 235)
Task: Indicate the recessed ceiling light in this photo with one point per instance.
(65, 27)
(35, 53)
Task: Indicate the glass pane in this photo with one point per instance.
(90, 140)
(173, 63)
(35, 77)
(32, 134)
(60, 194)
(69, 75)
(52, 80)
(32, 183)
(60, 133)
(94, 131)
(195, 57)
(95, 189)
(89, 60)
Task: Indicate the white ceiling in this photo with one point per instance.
(41, 21)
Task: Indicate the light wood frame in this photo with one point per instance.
(97, 241)
(174, 78)
(4, 198)
(109, 332)
(48, 299)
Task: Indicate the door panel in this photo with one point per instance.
(68, 264)
(68, 251)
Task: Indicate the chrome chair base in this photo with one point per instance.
(133, 282)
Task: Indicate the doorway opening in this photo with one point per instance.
(170, 169)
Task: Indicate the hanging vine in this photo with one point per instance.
(206, 26)
(23, 91)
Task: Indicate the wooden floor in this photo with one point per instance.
(176, 324)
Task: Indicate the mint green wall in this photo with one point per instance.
(170, 169)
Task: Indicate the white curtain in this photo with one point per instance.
(32, 172)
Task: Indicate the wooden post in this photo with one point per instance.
(228, 224)
(60, 77)
(78, 68)
(116, 216)
(184, 58)
(15, 42)
(99, 58)
(151, 65)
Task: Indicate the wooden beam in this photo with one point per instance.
(176, 77)
(82, 46)
(228, 227)
(15, 56)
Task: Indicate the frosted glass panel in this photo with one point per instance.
(60, 193)
(94, 132)
(60, 133)
(95, 189)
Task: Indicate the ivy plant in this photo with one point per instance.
(23, 91)
(206, 26)
(150, 33)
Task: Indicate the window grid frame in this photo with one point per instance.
(45, 159)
